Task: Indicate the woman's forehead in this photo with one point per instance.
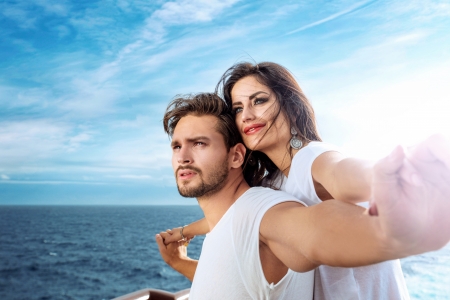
(247, 87)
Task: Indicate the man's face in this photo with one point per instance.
(199, 156)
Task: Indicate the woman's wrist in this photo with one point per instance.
(183, 234)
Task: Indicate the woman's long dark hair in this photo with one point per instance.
(259, 169)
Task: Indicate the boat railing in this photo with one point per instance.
(154, 294)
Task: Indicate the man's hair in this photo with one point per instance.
(203, 104)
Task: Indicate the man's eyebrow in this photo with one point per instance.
(191, 140)
(197, 138)
(250, 97)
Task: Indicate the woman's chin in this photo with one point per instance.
(253, 145)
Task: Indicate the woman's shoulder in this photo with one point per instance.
(320, 146)
(314, 149)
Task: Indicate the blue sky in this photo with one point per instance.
(84, 84)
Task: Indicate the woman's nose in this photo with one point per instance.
(247, 115)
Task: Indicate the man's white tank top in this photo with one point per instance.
(230, 267)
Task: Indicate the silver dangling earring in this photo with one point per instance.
(295, 142)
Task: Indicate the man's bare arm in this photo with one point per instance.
(333, 233)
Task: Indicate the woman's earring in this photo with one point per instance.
(295, 142)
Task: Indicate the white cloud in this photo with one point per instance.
(27, 14)
(285, 10)
(76, 141)
(25, 143)
(188, 11)
(378, 58)
(62, 30)
(59, 8)
(344, 12)
(19, 14)
(149, 151)
(182, 12)
(52, 182)
(4, 177)
(403, 112)
(418, 10)
(139, 177)
(140, 121)
(24, 45)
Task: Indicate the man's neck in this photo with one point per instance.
(216, 205)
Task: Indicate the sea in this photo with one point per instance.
(102, 252)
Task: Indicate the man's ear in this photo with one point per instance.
(237, 155)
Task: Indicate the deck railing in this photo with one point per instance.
(154, 294)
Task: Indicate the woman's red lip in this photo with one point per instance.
(253, 128)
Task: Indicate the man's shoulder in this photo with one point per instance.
(255, 196)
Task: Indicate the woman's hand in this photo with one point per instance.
(171, 235)
(411, 195)
(172, 253)
(175, 255)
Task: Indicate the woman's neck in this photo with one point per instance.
(281, 157)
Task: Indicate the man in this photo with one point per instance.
(259, 237)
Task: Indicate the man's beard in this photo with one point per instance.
(215, 183)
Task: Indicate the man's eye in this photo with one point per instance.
(176, 147)
(199, 144)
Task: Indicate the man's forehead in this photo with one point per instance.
(191, 126)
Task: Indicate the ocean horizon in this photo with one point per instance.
(102, 252)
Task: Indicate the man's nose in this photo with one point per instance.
(184, 157)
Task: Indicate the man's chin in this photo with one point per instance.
(189, 192)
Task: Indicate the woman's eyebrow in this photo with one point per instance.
(250, 97)
(256, 94)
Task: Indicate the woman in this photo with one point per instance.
(277, 123)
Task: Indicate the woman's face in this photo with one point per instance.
(255, 107)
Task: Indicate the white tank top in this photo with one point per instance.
(379, 281)
(230, 267)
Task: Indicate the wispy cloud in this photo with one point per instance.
(52, 182)
(344, 12)
(187, 11)
(27, 14)
(31, 141)
(139, 177)
(182, 12)
(85, 106)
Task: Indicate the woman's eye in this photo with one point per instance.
(260, 100)
(237, 110)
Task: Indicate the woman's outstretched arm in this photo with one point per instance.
(338, 177)
(409, 215)
(199, 227)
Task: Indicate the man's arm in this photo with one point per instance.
(175, 255)
(411, 201)
(333, 233)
